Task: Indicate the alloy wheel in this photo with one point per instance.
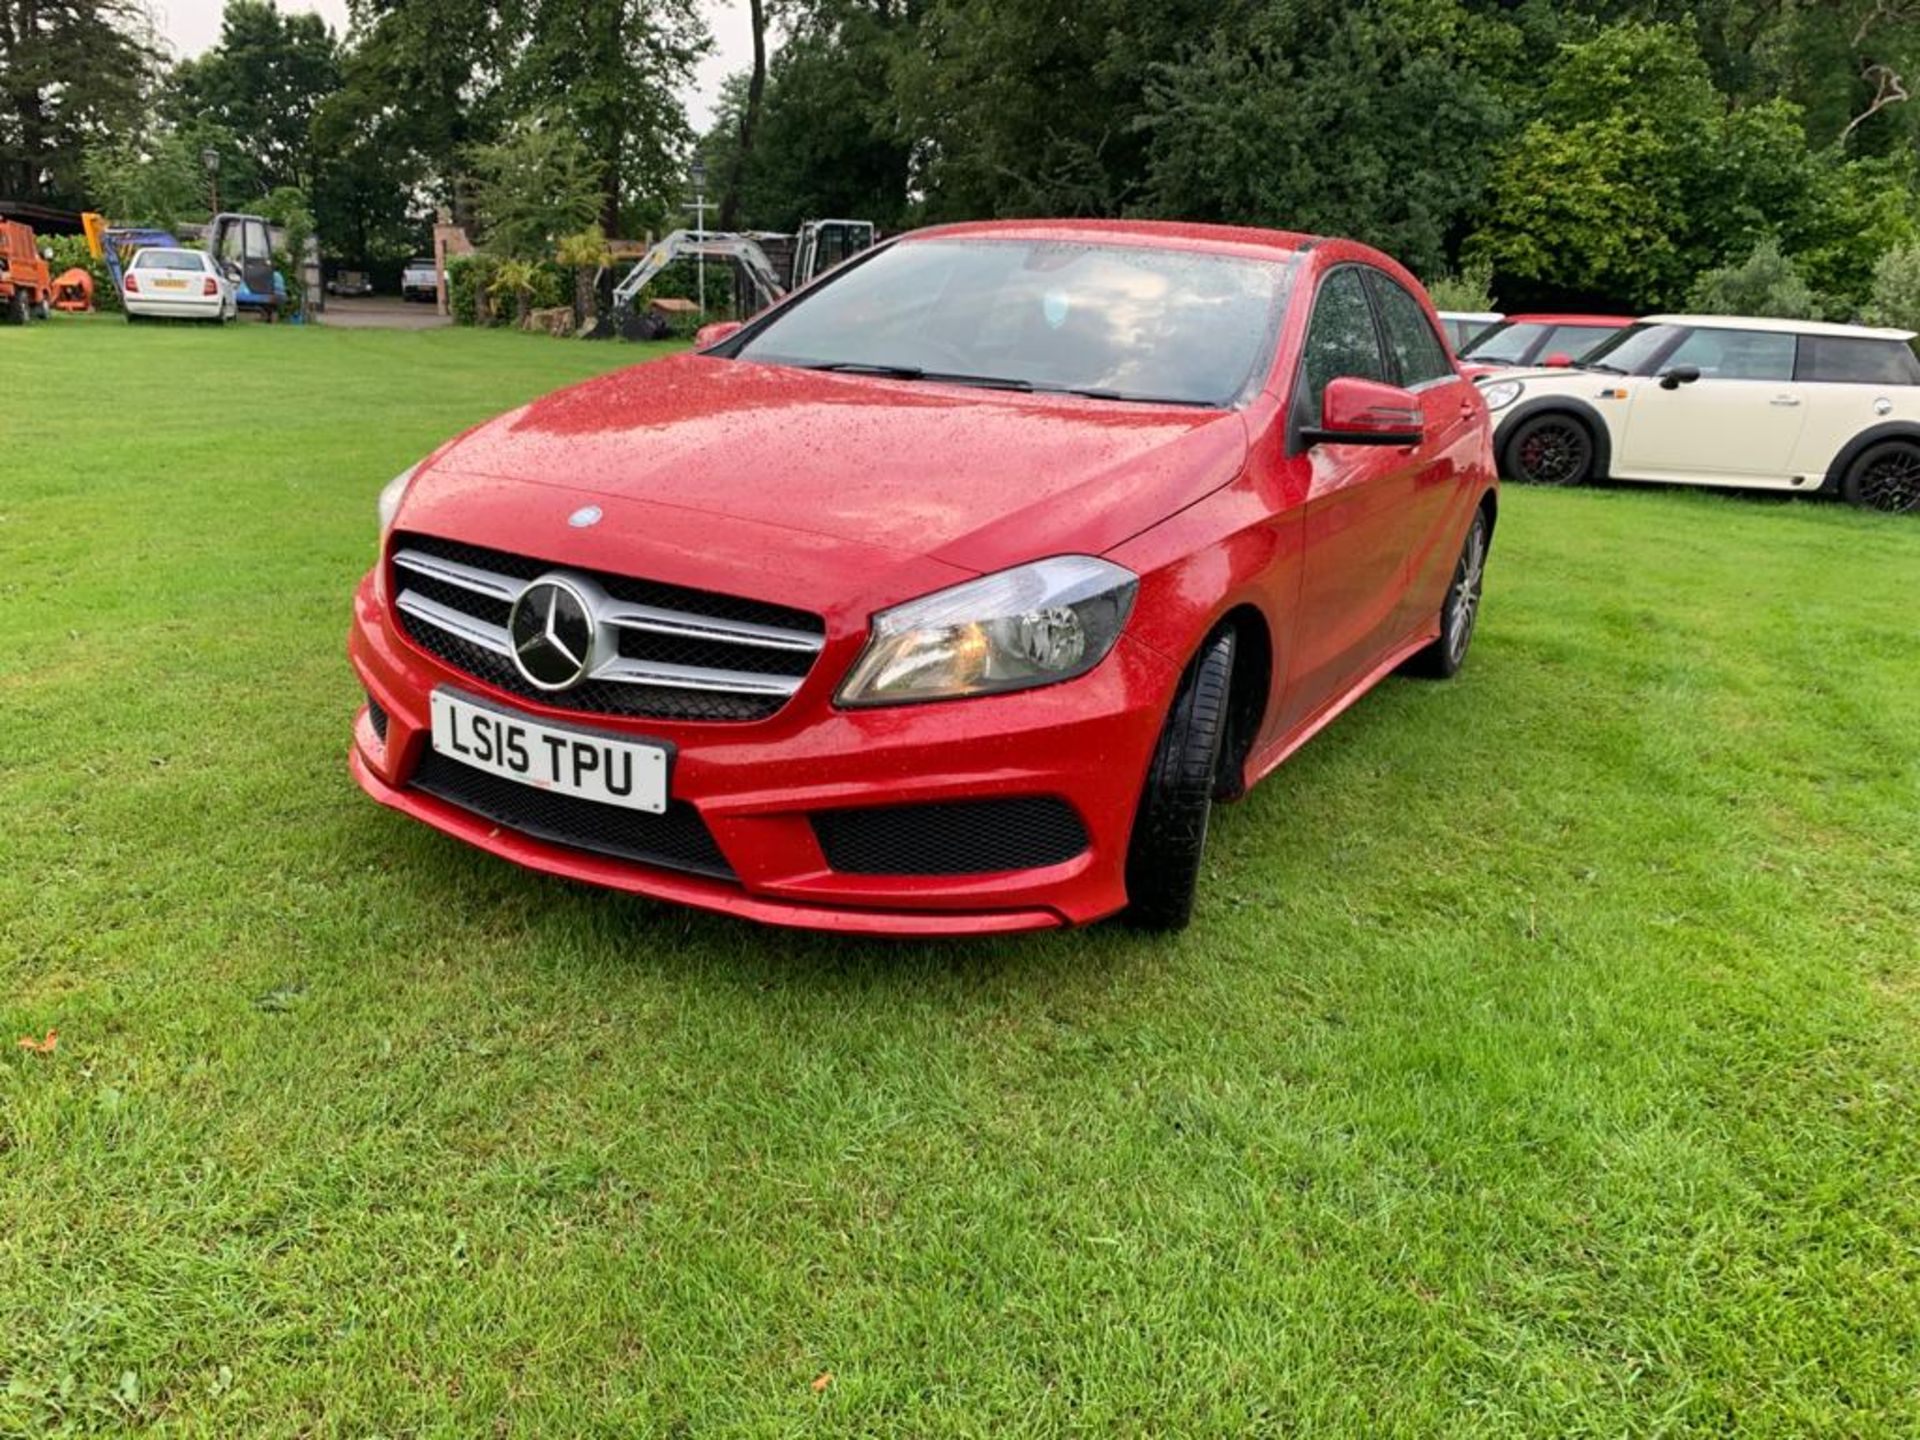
(1554, 452)
(1464, 602)
(1892, 482)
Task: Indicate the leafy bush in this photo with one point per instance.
(1896, 289)
(469, 277)
(1470, 289)
(1766, 283)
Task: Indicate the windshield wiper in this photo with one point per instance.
(1126, 397)
(866, 367)
(916, 372)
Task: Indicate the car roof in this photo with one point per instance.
(1176, 234)
(1616, 322)
(1786, 327)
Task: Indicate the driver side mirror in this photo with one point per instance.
(1679, 375)
(1366, 412)
(708, 336)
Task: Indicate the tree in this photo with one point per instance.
(830, 140)
(749, 120)
(1765, 283)
(424, 83)
(1330, 118)
(536, 183)
(583, 252)
(73, 75)
(155, 177)
(1896, 290)
(262, 82)
(611, 68)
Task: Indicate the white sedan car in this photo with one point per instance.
(1716, 400)
(177, 285)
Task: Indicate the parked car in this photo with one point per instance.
(420, 280)
(946, 595)
(1460, 326)
(177, 284)
(1519, 341)
(1714, 400)
(350, 283)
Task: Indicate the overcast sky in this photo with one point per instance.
(193, 25)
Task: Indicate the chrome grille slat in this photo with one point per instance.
(694, 677)
(474, 631)
(467, 577)
(726, 632)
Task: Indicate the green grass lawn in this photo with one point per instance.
(1545, 1059)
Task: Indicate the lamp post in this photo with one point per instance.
(210, 162)
(698, 171)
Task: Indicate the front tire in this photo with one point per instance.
(1460, 609)
(1551, 449)
(1886, 478)
(1170, 827)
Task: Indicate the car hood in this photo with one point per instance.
(976, 479)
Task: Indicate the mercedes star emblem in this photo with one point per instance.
(551, 631)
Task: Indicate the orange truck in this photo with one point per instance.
(26, 285)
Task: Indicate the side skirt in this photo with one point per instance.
(1266, 761)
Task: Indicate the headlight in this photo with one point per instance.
(1032, 625)
(1502, 393)
(391, 495)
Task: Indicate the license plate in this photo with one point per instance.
(170, 284)
(566, 759)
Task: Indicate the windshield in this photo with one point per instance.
(1630, 350)
(1126, 322)
(1504, 344)
(167, 260)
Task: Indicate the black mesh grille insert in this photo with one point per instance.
(378, 718)
(604, 697)
(677, 840)
(962, 838)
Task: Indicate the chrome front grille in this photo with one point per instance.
(669, 652)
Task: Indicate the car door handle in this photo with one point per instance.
(1786, 400)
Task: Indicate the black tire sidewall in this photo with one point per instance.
(1176, 800)
(1510, 451)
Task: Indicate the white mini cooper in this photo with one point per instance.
(1715, 400)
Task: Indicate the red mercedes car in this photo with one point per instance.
(946, 596)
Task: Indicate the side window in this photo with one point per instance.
(1843, 360)
(1416, 350)
(1340, 337)
(1736, 354)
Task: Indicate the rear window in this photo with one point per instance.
(167, 260)
(1843, 360)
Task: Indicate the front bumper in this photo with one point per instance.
(757, 784)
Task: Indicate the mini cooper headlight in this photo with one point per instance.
(1032, 625)
(390, 496)
(1502, 393)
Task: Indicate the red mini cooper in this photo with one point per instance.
(947, 595)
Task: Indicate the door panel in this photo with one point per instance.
(1739, 423)
(1356, 511)
(1427, 534)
